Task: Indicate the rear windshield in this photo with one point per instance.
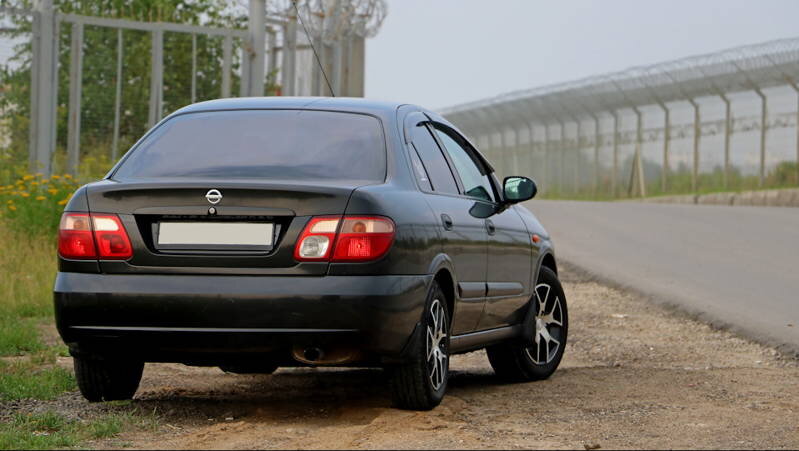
(277, 144)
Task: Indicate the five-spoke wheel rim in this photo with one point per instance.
(437, 345)
(548, 326)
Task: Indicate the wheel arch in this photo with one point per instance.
(444, 274)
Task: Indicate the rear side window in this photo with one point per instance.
(437, 168)
(275, 144)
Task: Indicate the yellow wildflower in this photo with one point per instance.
(24, 194)
(10, 187)
(67, 176)
(45, 181)
(52, 191)
(55, 177)
(12, 208)
(27, 177)
(39, 174)
(34, 183)
(10, 201)
(40, 198)
(63, 202)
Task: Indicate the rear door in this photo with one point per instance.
(463, 236)
(509, 247)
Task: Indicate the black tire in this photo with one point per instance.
(412, 383)
(107, 380)
(261, 368)
(521, 361)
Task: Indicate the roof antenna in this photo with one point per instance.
(310, 41)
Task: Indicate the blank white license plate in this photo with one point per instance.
(215, 233)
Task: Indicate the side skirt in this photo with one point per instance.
(469, 342)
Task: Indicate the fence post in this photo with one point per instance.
(546, 175)
(697, 135)
(156, 78)
(193, 67)
(666, 143)
(615, 171)
(577, 156)
(44, 86)
(562, 158)
(75, 91)
(763, 131)
(727, 136)
(597, 144)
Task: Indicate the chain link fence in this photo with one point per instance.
(723, 121)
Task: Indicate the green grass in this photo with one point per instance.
(50, 430)
(25, 379)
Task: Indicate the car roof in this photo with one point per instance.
(352, 104)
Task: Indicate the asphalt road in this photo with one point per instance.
(735, 267)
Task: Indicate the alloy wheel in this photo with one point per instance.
(437, 345)
(548, 326)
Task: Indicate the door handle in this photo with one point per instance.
(446, 221)
(490, 227)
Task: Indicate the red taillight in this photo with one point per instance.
(75, 238)
(363, 239)
(89, 236)
(111, 238)
(347, 239)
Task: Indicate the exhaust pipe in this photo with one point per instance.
(316, 356)
(313, 354)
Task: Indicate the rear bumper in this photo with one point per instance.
(184, 318)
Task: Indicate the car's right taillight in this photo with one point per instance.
(347, 239)
(363, 239)
(83, 236)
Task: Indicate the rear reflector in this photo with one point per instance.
(83, 236)
(348, 239)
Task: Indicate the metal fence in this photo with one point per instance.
(722, 121)
(77, 91)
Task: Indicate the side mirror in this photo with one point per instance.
(519, 189)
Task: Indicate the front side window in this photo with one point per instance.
(291, 145)
(475, 183)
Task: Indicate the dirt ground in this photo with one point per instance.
(634, 376)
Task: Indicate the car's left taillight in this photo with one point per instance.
(83, 236)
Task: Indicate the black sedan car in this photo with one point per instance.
(253, 234)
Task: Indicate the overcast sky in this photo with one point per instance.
(438, 53)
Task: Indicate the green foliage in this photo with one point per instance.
(100, 78)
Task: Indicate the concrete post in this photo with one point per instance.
(227, 64)
(44, 86)
(257, 42)
(289, 65)
(75, 90)
(156, 78)
(117, 98)
(597, 144)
